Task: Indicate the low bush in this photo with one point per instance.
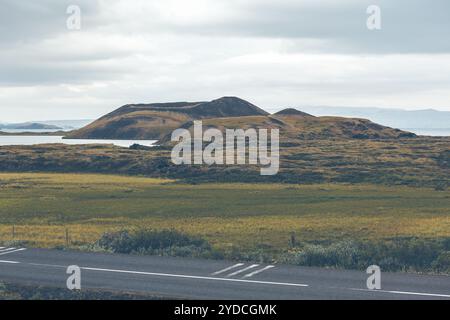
(442, 263)
(152, 242)
(399, 254)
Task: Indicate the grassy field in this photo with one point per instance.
(41, 206)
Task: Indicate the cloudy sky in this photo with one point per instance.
(275, 54)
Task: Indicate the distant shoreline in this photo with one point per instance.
(34, 133)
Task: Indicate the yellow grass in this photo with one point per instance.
(42, 206)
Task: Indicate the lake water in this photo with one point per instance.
(32, 140)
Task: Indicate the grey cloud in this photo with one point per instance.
(46, 74)
(408, 26)
(134, 51)
(31, 21)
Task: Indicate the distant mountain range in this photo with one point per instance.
(397, 118)
(29, 126)
(46, 125)
(68, 124)
(158, 120)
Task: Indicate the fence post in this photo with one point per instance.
(293, 240)
(13, 232)
(67, 237)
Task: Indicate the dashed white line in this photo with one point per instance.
(197, 277)
(8, 252)
(406, 293)
(3, 249)
(242, 270)
(421, 294)
(227, 269)
(176, 275)
(251, 274)
(6, 261)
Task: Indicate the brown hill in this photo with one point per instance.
(292, 112)
(338, 127)
(158, 120)
(293, 127)
(153, 121)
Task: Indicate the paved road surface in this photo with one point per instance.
(210, 279)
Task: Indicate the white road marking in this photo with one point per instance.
(6, 249)
(251, 274)
(407, 293)
(46, 265)
(5, 261)
(8, 252)
(243, 270)
(225, 279)
(421, 294)
(197, 277)
(227, 269)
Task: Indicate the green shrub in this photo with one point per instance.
(165, 242)
(442, 262)
(344, 254)
(391, 255)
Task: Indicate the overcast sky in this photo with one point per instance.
(276, 54)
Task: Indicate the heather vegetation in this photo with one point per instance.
(415, 162)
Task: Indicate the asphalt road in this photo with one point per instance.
(210, 279)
